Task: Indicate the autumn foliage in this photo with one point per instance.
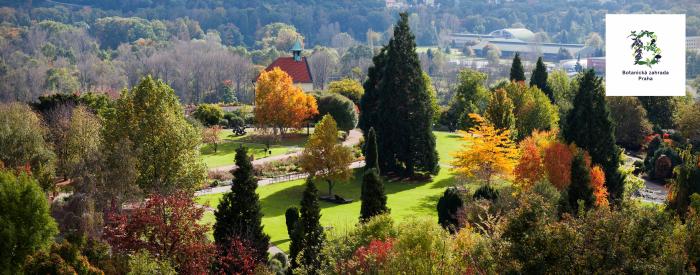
(598, 183)
(529, 169)
(486, 152)
(557, 164)
(279, 103)
(166, 226)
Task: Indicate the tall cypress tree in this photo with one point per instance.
(397, 104)
(239, 214)
(371, 157)
(517, 73)
(580, 187)
(373, 196)
(589, 126)
(539, 79)
(310, 233)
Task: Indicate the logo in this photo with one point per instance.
(645, 51)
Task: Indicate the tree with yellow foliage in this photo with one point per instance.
(280, 104)
(324, 157)
(486, 152)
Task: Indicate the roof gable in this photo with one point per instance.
(298, 70)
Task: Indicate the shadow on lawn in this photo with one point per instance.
(277, 203)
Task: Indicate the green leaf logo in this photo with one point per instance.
(645, 51)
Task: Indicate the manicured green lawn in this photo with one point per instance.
(227, 149)
(406, 199)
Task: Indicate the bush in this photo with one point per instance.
(208, 114)
(233, 120)
(486, 192)
(447, 207)
(342, 109)
(350, 88)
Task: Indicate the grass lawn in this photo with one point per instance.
(406, 199)
(256, 145)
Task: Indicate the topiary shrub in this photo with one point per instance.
(291, 217)
(447, 207)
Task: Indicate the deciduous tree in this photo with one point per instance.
(343, 111)
(279, 103)
(500, 111)
(557, 164)
(349, 88)
(630, 120)
(598, 184)
(208, 114)
(486, 152)
(324, 157)
(211, 136)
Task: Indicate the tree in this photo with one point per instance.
(517, 73)
(580, 187)
(322, 63)
(143, 263)
(539, 79)
(630, 121)
(24, 141)
(533, 110)
(598, 185)
(208, 114)
(340, 108)
(589, 126)
(686, 182)
(239, 214)
(398, 105)
(291, 218)
(239, 257)
(371, 154)
(372, 195)
(144, 122)
(62, 258)
(557, 164)
(471, 96)
(448, 207)
(25, 223)
(486, 152)
(310, 231)
(688, 121)
(211, 136)
(279, 103)
(659, 110)
(324, 157)
(499, 112)
(349, 88)
(529, 169)
(167, 227)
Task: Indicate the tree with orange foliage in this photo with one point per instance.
(486, 152)
(529, 169)
(280, 104)
(598, 184)
(557, 164)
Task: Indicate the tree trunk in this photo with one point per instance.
(330, 187)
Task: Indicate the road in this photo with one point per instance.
(652, 191)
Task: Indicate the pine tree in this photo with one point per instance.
(517, 73)
(539, 79)
(398, 105)
(291, 218)
(580, 187)
(589, 126)
(447, 207)
(371, 157)
(311, 235)
(239, 214)
(373, 196)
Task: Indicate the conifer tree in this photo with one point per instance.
(517, 73)
(447, 207)
(398, 105)
(371, 157)
(580, 187)
(589, 126)
(539, 79)
(239, 213)
(311, 236)
(373, 196)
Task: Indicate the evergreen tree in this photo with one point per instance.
(398, 105)
(539, 79)
(311, 235)
(500, 111)
(239, 214)
(373, 196)
(517, 73)
(371, 157)
(447, 208)
(580, 187)
(589, 126)
(291, 218)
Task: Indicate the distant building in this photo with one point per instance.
(518, 40)
(295, 66)
(692, 43)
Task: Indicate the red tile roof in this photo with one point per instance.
(298, 70)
